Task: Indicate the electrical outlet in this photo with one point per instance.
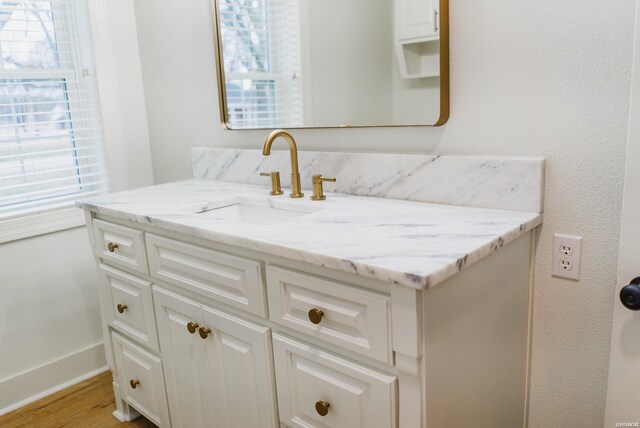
(566, 256)
(566, 249)
(566, 265)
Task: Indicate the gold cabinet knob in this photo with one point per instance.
(322, 407)
(315, 315)
(192, 327)
(121, 308)
(112, 247)
(135, 382)
(204, 332)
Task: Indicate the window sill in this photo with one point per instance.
(30, 225)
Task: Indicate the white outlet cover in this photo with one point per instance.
(565, 260)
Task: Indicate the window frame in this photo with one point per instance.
(65, 215)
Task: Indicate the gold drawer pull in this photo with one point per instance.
(135, 382)
(112, 247)
(192, 327)
(121, 308)
(322, 407)
(315, 315)
(204, 332)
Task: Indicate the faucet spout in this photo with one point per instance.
(296, 192)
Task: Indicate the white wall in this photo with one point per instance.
(527, 78)
(48, 300)
(176, 52)
(49, 312)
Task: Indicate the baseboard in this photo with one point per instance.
(34, 384)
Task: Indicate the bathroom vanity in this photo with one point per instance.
(225, 306)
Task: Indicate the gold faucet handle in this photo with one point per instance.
(317, 180)
(276, 189)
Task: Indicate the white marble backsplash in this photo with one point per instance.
(484, 182)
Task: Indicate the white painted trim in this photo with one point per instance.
(34, 384)
(534, 237)
(121, 93)
(29, 225)
(38, 73)
(107, 89)
(623, 390)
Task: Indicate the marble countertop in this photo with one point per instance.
(415, 244)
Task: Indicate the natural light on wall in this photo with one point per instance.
(262, 62)
(51, 148)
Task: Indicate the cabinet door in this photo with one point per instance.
(183, 358)
(416, 19)
(240, 362)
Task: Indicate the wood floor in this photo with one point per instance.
(86, 405)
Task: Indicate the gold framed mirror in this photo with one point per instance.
(332, 63)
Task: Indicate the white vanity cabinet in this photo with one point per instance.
(204, 334)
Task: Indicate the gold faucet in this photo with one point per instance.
(317, 180)
(295, 173)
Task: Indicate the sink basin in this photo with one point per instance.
(254, 211)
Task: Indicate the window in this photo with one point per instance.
(261, 54)
(51, 148)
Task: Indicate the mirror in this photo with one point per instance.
(332, 63)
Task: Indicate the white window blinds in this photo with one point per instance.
(51, 148)
(261, 54)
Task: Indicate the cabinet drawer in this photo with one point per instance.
(229, 279)
(348, 317)
(131, 305)
(141, 380)
(120, 246)
(308, 378)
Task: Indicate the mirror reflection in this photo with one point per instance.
(332, 63)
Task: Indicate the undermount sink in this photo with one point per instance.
(254, 211)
